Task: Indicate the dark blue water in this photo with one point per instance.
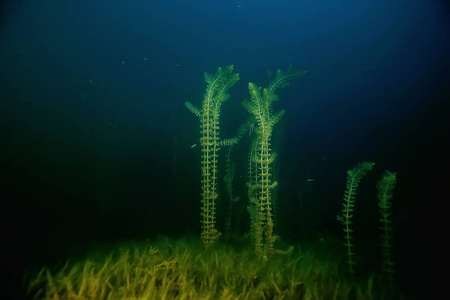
(97, 144)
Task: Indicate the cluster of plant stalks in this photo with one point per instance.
(182, 269)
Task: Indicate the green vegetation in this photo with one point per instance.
(353, 178)
(204, 267)
(183, 269)
(385, 189)
(260, 185)
(209, 115)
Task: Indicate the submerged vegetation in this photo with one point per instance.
(259, 266)
(183, 269)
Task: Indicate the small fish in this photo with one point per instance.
(193, 146)
(311, 180)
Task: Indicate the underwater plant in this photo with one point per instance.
(209, 114)
(385, 189)
(183, 269)
(261, 157)
(353, 178)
